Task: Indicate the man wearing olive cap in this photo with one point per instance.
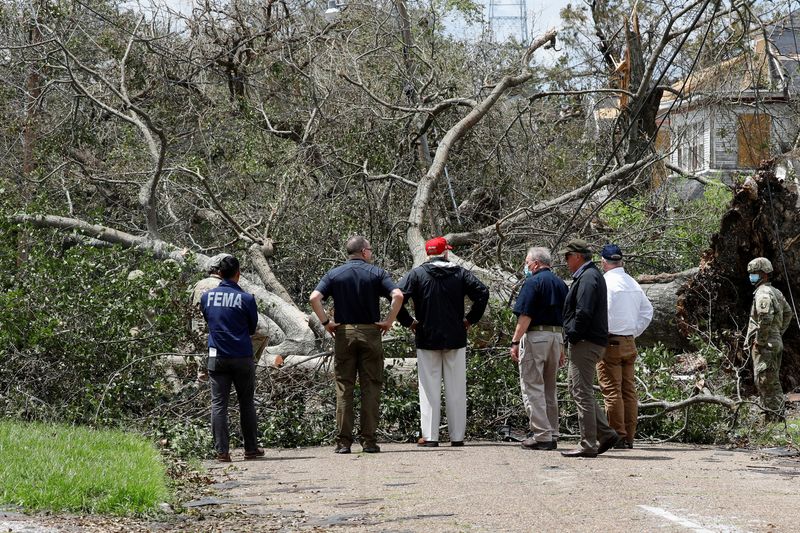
(586, 331)
(770, 317)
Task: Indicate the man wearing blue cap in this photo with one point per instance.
(629, 314)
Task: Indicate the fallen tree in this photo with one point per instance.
(714, 304)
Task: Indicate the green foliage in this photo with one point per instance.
(661, 371)
(62, 468)
(80, 335)
(667, 236)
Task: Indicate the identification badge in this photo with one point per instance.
(212, 359)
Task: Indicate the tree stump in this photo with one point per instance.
(715, 303)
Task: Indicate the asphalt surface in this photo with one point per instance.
(484, 486)
(501, 487)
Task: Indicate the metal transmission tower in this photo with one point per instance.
(507, 19)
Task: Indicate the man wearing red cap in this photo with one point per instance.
(438, 288)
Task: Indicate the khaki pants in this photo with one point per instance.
(583, 357)
(615, 373)
(432, 366)
(358, 352)
(538, 368)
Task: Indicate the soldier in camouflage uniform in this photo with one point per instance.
(198, 326)
(770, 316)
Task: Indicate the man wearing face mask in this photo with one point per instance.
(770, 317)
(538, 347)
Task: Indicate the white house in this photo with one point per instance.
(734, 114)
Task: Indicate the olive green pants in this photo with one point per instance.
(766, 370)
(358, 352)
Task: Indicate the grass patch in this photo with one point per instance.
(64, 468)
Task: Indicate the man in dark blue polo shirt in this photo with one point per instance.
(538, 347)
(356, 288)
(232, 318)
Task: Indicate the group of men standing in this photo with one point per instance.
(598, 317)
(595, 321)
(437, 289)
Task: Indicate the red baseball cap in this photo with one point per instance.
(437, 246)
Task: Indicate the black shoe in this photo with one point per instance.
(422, 443)
(533, 444)
(621, 445)
(579, 452)
(342, 449)
(609, 443)
(255, 454)
(456, 443)
(629, 445)
(372, 448)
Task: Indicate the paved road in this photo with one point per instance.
(483, 486)
(501, 487)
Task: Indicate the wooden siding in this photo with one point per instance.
(753, 134)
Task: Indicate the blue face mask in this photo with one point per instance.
(527, 271)
(754, 278)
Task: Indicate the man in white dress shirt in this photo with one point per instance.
(629, 314)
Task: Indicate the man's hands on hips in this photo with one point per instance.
(331, 326)
(384, 325)
(514, 353)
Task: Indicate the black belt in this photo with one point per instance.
(620, 336)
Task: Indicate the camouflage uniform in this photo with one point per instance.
(198, 326)
(770, 316)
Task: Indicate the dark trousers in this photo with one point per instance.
(241, 372)
(583, 357)
(358, 352)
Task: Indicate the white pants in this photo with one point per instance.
(432, 366)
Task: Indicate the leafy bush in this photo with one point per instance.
(665, 234)
(81, 340)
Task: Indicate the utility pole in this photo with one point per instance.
(508, 18)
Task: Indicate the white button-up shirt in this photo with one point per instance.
(629, 310)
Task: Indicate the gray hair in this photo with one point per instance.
(542, 255)
(355, 244)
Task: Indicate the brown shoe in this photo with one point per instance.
(255, 454)
(224, 457)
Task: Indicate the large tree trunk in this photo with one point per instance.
(715, 304)
(662, 290)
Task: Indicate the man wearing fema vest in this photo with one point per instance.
(232, 318)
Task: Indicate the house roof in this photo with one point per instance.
(771, 66)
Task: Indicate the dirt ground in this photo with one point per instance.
(484, 486)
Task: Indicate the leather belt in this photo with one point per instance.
(620, 336)
(554, 329)
(357, 326)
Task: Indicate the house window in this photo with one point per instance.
(753, 137)
(692, 148)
